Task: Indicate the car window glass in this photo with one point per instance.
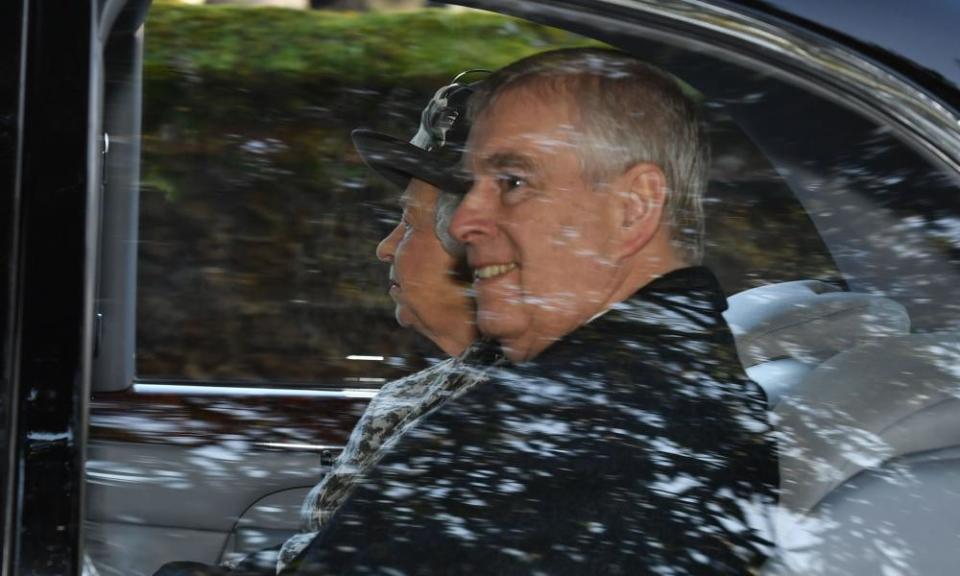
(258, 221)
(265, 322)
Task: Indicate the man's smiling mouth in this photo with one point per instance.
(493, 270)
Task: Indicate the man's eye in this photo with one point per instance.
(510, 182)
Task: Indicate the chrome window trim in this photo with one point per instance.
(929, 120)
(821, 62)
(260, 392)
(299, 446)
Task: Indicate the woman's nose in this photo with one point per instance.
(387, 247)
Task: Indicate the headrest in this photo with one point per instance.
(778, 377)
(808, 320)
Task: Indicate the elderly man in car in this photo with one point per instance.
(623, 436)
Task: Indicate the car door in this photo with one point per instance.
(186, 452)
(49, 187)
(207, 425)
(10, 51)
(243, 320)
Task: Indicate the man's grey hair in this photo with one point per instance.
(627, 112)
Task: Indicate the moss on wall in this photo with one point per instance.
(314, 47)
(259, 222)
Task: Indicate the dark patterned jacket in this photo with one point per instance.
(635, 445)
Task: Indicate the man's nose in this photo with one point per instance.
(387, 248)
(474, 217)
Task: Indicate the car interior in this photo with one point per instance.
(833, 232)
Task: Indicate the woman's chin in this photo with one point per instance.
(404, 318)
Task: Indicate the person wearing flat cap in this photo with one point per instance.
(428, 282)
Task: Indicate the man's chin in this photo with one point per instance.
(501, 325)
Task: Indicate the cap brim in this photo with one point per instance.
(398, 161)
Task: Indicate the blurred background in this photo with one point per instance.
(258, 221)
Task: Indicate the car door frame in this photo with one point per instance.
(50, 206)
(50, 230)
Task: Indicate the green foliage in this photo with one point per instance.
(259, 222)
(315, 47)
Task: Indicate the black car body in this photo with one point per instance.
(830, 78)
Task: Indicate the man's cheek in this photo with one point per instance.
(558, 301)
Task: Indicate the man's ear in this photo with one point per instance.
(642, 193)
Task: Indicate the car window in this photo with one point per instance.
(261, 277)
(258, 221)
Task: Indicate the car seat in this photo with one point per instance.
(870, 461)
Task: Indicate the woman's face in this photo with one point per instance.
(423, 282)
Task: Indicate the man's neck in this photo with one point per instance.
(639, 277)
(531, 345)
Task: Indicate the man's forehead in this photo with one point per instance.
(520, 126)
(526, 110)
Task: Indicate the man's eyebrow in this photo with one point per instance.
(504, 160)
